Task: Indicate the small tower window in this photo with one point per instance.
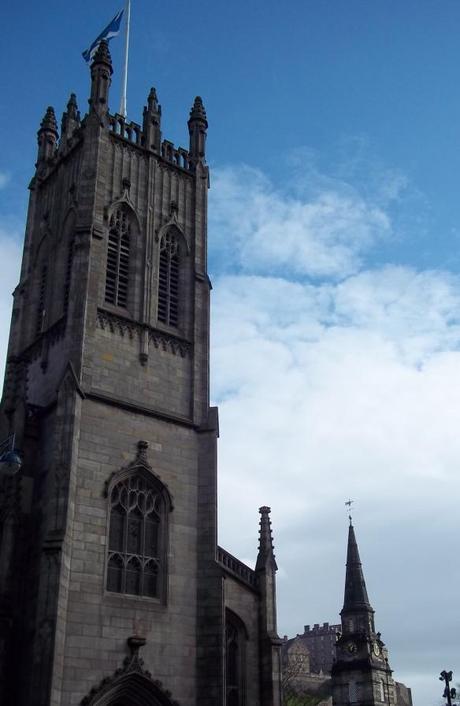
(168, 280)
(136, 538)
(117, 276)
(352, 692)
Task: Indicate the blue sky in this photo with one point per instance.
(334, 251)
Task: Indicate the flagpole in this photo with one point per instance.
(125, 67)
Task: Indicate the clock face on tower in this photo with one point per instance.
(376, 649)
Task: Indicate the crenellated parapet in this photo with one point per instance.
(133, 134)
(237, 568)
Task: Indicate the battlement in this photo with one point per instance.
(132, 132)
(317, 629)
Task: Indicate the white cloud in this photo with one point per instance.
(330, 391)
(264, 229)
(4, 179)
(345, 386)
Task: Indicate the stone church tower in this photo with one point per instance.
(361, 675)
(112, 587)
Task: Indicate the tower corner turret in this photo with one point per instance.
(197, 127)
(152, 122)
(47, 137)
(101, 78)
(70, 122)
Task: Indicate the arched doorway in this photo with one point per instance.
(132, 689)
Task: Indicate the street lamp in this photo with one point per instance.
(10, 460)
(449, 693)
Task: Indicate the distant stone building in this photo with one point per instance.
(319, 641)
(112, 587)
(297, 676)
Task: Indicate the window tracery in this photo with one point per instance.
(118, 251)
(136, 538)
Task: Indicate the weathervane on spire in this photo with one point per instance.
(348, 504)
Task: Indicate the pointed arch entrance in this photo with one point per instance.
(132, 690)
(131, 685)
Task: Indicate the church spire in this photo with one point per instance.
(360, 673)
(355, 598)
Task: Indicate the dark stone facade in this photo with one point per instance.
(107, 391)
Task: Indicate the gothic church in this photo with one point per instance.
(112, 587)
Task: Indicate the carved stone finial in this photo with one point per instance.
(49, 123)
(135, 642)
(266, 552)
(198, 111)
(152, 102)
(126, 184)
(102, 55)
(142, 447)
(72, 107)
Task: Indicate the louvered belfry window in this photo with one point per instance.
(135, 538)
(168, 280)
(117, 278)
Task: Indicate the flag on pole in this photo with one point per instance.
(112, 29)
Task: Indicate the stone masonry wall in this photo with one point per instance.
(98, 622)
(245, 604)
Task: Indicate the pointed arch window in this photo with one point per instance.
(137, 537)
(168, 279)
(118, 250)
(235, 643)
